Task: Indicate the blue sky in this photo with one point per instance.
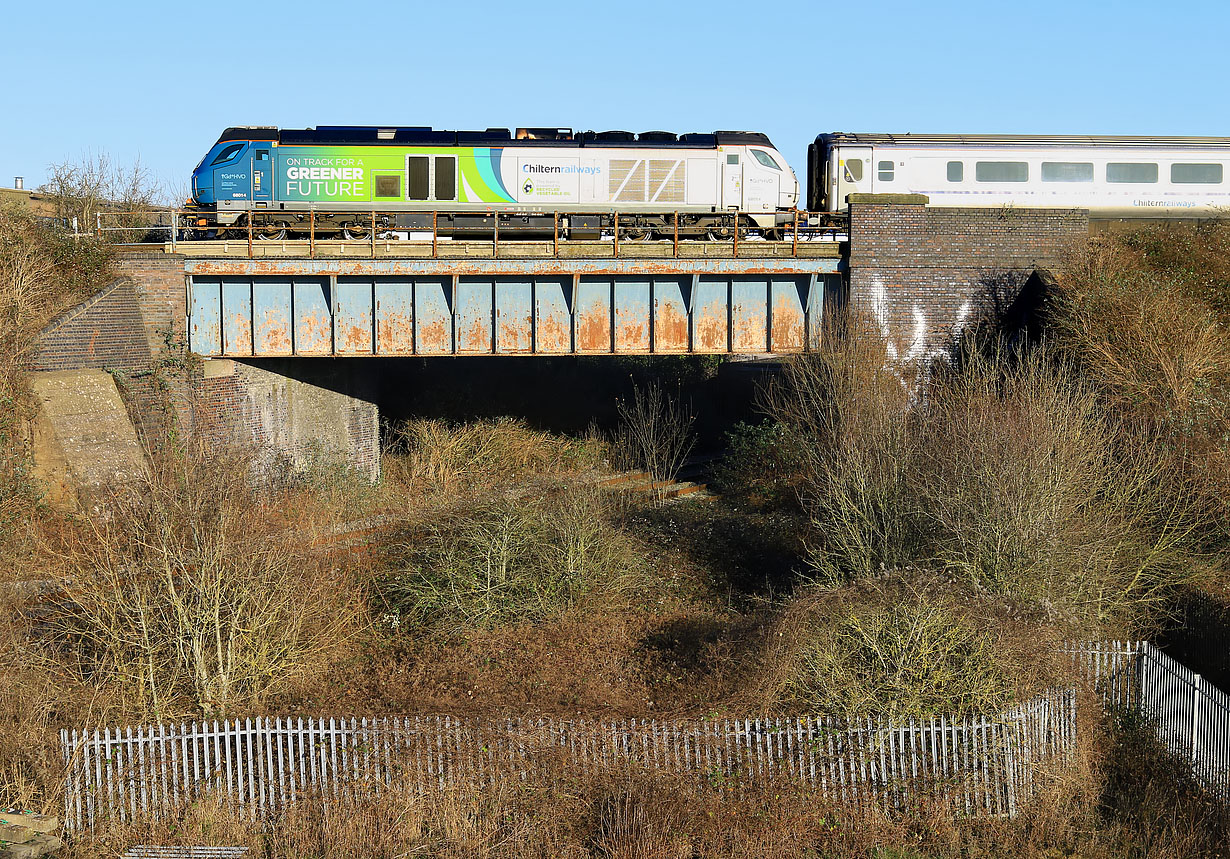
(159, 81)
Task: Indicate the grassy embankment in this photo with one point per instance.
(880, 548)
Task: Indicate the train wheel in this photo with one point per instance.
(272, 231)
(638, 234)
(355, 230)
(720, 234)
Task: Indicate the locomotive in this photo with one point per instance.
(348, 180)
(1112, 177)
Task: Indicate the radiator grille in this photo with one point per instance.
(667, 181)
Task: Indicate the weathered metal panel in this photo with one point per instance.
(475, 316)
(236, 317)
(353, 316)
(631, 314)
(205, 317)
(815, 307)
(433, 318)
(514, 316)
(271, 328)
(313, 317)
(710, 314)
(394, 317)
(670, 314)
(749, 314)
(592, 307)
(786, 318)
(552, 322)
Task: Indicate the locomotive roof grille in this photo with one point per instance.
(337, 135)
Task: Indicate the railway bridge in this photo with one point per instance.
(277, 322)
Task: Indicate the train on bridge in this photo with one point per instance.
(350, 180)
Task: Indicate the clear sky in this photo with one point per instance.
(159, 81)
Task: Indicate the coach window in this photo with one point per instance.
(227, 154)
(446, 177)
(1067, 171)
(956, 171)
(884, 171)
(1140, 174)
(1001, 171)
(1195, 174)
(418, 177)
(766, 159)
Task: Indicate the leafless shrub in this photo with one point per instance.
(848, 410)
(184, 600)
(1033, 491)
(654, 434)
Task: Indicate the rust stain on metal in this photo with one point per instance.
(273, 333)
(434, 338)
(473, 266)
(241, 325)
(748, 331)
(313, 333)
(710, 330)
(594, 331)
(552, 334)
(670, 329)
(355, 338)
(513, 334)
(787, 326)
(631, 331)
(475, 337)
(395, 334)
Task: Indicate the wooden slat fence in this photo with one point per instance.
(1191, 717)
(978, 765)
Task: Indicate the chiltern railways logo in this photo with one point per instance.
(528, 187)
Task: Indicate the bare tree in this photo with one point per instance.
(655, 433)
(97, 184)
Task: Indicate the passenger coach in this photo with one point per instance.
(1117, 177)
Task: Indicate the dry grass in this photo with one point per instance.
(460, 459)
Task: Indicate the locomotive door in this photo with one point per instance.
(732, 181)
(262, 174)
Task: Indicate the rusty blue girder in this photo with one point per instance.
(331, 308)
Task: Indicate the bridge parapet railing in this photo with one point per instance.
(620, 234)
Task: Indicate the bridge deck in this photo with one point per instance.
(382, 307)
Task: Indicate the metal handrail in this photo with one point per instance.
(162, 226)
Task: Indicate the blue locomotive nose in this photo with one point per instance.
(203, 187)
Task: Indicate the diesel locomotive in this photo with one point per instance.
(348, 179)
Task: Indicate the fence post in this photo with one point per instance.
(174, 228)
(1195, 719)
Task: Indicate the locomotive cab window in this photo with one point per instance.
(884, 171)
(1140, 174)
(956, 171)
(1001, 171)
(766, 159)
(854, 170)
(1067, 171)
(1195, 174)
(732, 159)
(227, 154)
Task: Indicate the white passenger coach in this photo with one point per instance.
(1113, 177)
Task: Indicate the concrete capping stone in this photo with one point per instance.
(888, 199)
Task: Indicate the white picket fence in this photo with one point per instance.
(975, 765)
(1191, 717)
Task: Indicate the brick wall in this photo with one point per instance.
(303, 410)
(925, 273)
